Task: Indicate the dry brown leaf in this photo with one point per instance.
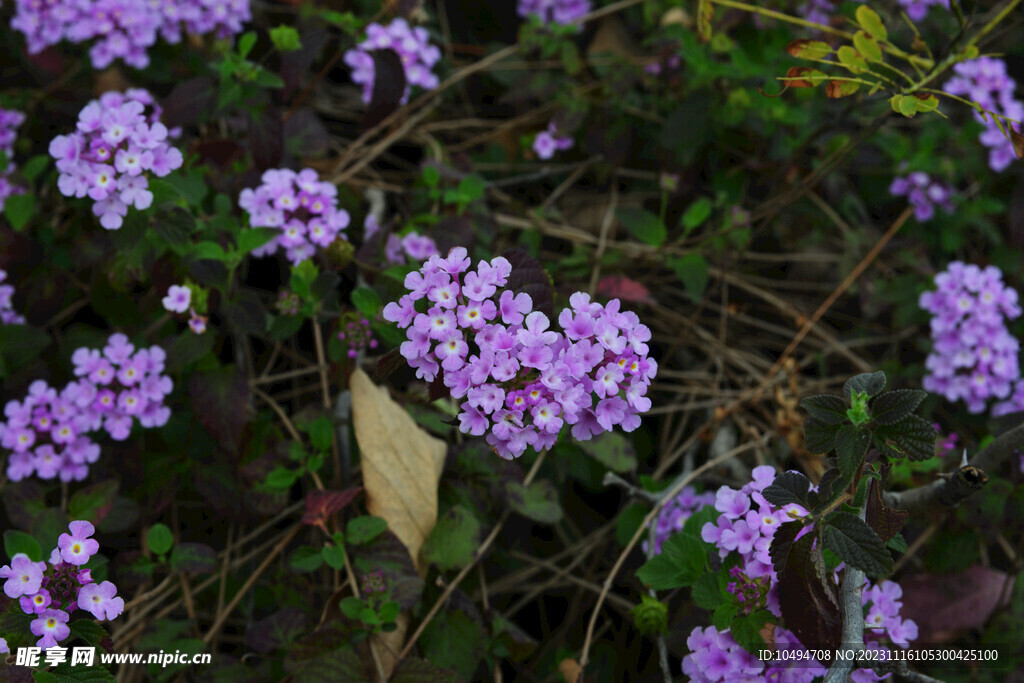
(401, 469)
(401, 464)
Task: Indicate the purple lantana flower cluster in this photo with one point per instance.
(917, 9)
(985, 80)
(107, 158)
(124, 29)
(10, 120)
(744, 530)
(675, 512)
(563, 12)
(8, 316)
(923, 193)
(522, 381)
(411, 44)
(549, 141)
(974, 356)
(49, 432)
(397, 249)
(51, 591)
(301, 206)
(356, 335)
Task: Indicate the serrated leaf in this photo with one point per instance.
(782, 542)
(643, 225)
(849, 537)
(683, 559)
(89, 631)
(788, 487)
(851, 445)
(453, 540)
(366, 300)
(746, 629)
(285, 38)
(723, 615)
(538, 501)
(893, 406)
(871, 22)
(809, 49)
(613, 450)
(364, 529)
(825, 408)
(818, 437)
(867, 46)
(707, 591)
(912, 437)
(807, 595)
(869, 383)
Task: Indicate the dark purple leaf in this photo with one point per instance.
(807, 596)
(885, 520)
(193, 558)
(188, 101)
(322, 505)
(944, 605)
(387, 555)
(529, 276)
(219, 398)
(388, 87)
(305, 135)
(296, 64)
(279, 629)
(266, 138)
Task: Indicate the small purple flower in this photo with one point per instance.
(178, 299)
(76, 548)
(24, 577)
(100, 600)
(52, 625)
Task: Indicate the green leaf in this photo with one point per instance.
(89, 631)
(431, 176)
(364, 529)
(692, 270)
(389, 611)
(651, 615)
(334, 556)
(19, 209)
(209, 250)
(245, 43)
(281, 478)
(722, 617)
(825, 408)
(538, 501)
(93, 502)
(707, 591)
(19, 542)
(305, 559)
(35, 166)
(453, 540)
(695, 214)
(869, 383)
(809, 49)
(285, 38)
(893, 406)
(897, 543)
(321, 432)
(453, 640)
(913, 437)
(867, 46)
(849, 537)
(159, 539)
(746, 629)
(643, 225)
(851, 445)
(267, 79)
(352, 607)
(852, 60)
(613, 450)
(925, 103)
(682, 561)
(788, 487)
(193, 558)
(174, 225)
(818, 437)
(628, 521)
(254, 238)
(366, 300)
(869, 20)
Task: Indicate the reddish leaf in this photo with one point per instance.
(807, 596)
(322, 505)
(795, 73)
(886, 521)
(945, 605)
(622, 287)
